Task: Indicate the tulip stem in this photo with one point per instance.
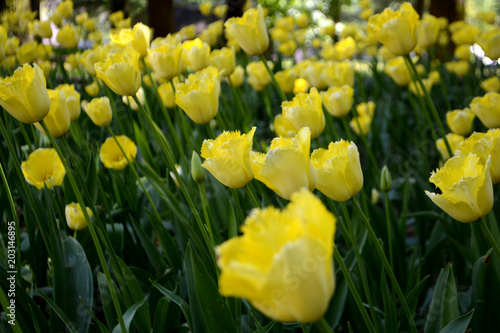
(359, 260)
(79, 198)
(489, 236)
(389, 227)
(431, 105)
(182, 118)
(346, 129)
(322, 326)
(386, 265)
(273, 78)
(354, 291)
(252, 196)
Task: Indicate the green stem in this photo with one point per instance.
(206, 213)
(273, 78)
(27, 138)
(354, 291)
(252, 196)
(389, 227)
(322, 326)
(79, 198)
(346, 128)
(489, 236)
(386, 265)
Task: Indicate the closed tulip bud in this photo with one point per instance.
(42, 29)
(384, 53)
(462, 52)
(237, 77)
(288, 48)
(459, 68)
(80, 18)
(302, 20)
(121, 72)
(338, 74)
(286, 168)
(167, 94)
(338, 101)
(395, 29)
(89, 24)
(130, 101)
(346, 48)
(361, 125)
(99, 111)
(224, 60)
(460, 121)
(212, 33)
(65, 8)
(24, 94)
(338, 170)
(286, 80)
(485, 146)
(166, 60)
(467, 34)
(74, 216)
(27, 53)
(427, 31)
(250, 31)
(220, 11)
(112, 156)
(434, 77)
(138, 37)
(205, 8)
(329, 52)
(487, 109)
(417, 89)
(92, 89)
(57, 120)
(44, 51)
(196, 54)
(312, 74)
(196, 170)
(227, 158)
(466, 188)
(491, 84)
(72, 100)
(57, 19)
(385, 179)
(199, 96)
(375, 196)
(398, 71)
(43, 166)
(453, 139)
(366, 109)
(95, 36)
(68, 36)
(490, 43)
(296, 280)
(116, 17)
(90, 57)
(300, 85)
(258, 77)
(188, 32)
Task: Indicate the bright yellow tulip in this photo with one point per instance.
(43, 166)
(112, 156)
(121, 72)
(74, 216)
(250, 31)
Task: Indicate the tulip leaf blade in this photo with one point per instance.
(128, 316)
(171, 296)
(208, 309)
(460, 324)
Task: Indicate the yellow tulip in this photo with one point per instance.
(42, 29)
(459, 68)
(286, 168)
(224, 60)
(212, 33)
(398, 71)
(188, 32)
(466, 34)
(346, 48)
(57, 19)
(129, 100)
(27, 53)
(3, 42)
(112, 156)
(283, 261)
(250, 31)
(258, 77)
(487, 109)
(99, 111)
(72, 100)
(286, 80)
(338, 74)
(68, 36)
(80, 18)
(116, 17)
(427, 31)
(462, 52)
(220, 11)
(57, 120)
(121, 72)
(166, 60)
(300, 85)
(453, 139)
(284, 127)
(467, 191)
(74, 216)
(205, 8)
(89, 24)
(227, 158)
(199, 96)
(44, 51)
(384, 54)
(65, 8)
(329, 52)
(490, 43)
(43, 166)
(312, 73)
(396, 29)
(338, 101)
(491, 84)
(90, 57)
(366, 14)
(305, 110)
(95, 36)
(417, 89)
(279, 35)
(24, 95)
(361, 125)
(138, 37)
(288, 48)
(338, 170)
(238, 76)
(460, 121)
(302, 20)
(196, 54)
(92, 89)
(167, 94)
(485, 145)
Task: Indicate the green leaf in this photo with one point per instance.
(208, 309)
(413, 295)
(460, 324)
(444, 304)
(142, 142)
(128, 316)
(337, 305)
(390, 313)
(59, 312)
(91, 177)
(116, 235)
(107, 301)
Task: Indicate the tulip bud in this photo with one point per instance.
(74, 216)
(385, 179)
(197, 171)
(99, 111)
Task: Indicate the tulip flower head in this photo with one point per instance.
(250, 31)
(338, 101)
(99, 111)
(286, 168)
(466, 188)
(121, 72)
(453, 139)
(224, 60)
(72, 100)
(487, 109)
(227, 158)
(24, 94)
(112, 156)
(258, 77)
(282, 264)
(490, 43)
(57, 120)
(43, 168)
(491, 84)
(196, 54)
(166, 60)
(138, 37)
(460, 121)
(74, 216)
(398, 71)
(68, 36)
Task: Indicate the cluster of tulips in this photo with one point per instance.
(201, 265)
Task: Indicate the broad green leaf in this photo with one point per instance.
(116, 235)
(128, 316)
(177, 300)
(107, 301)
(460, 324)
(60, 313)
